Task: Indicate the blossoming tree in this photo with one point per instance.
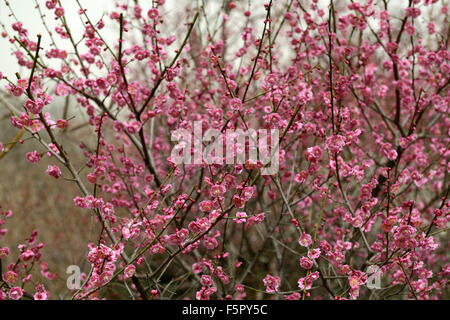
(358, 92)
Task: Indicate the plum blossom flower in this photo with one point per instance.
(313, 154)
(27, 255)
(33, 157)
(241, 217)
(59, 12)
(306, 263)
(152, 13)
(41, 295)
(10, 277)
(305, 283)
(206, 280)
(4, 252)
(54, 171)
(314, 253)
(236, 104)
(205, 206)
(305, 240)
(272, 283)
(335, 143)
(217, 190)
(16, 293)
(35, 106)
(129, 271)
(293, 296)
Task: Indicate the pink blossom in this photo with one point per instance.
(305, 240)
(33, 157)
(27, 255)
(16, 293)
(129, 271)
(35, 106)
(59, 12)
(335, 143)
(10, 277)
(54, 171)
(4, 252)
(358, 139)
(306, 263)
(206, 281)
(41, 296)
(241, 217)
(217, 190)
(272, 283)
(236, 104)
(152, 13)
(205, 206)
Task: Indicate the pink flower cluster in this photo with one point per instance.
(357, 92)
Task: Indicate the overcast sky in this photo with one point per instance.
(174, 11)
(25, 11)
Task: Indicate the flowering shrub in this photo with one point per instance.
(358, 93)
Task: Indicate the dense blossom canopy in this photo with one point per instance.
(357, 91)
